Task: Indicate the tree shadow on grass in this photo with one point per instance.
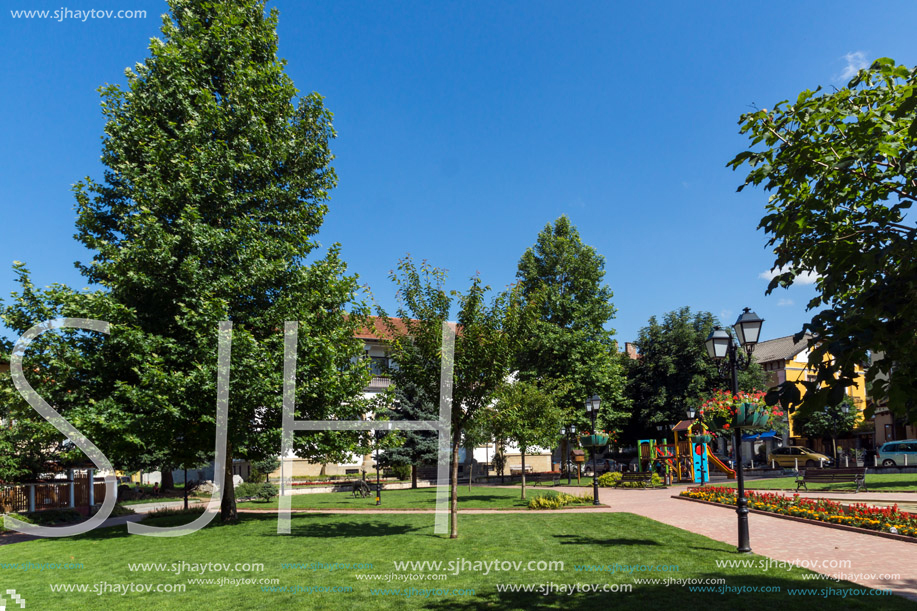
(322, 527)
(584, 540)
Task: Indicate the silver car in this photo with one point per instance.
(898, 453)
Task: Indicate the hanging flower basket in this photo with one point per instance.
(703, 438)
(591, 441)
(724, 412)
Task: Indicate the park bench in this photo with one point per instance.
(537, 478)
(646, 479)
(855, 475)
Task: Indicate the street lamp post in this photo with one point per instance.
(721, 345)
(593, 404)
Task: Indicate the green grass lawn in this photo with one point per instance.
(480, 497)
(892, 482)
(381, 540)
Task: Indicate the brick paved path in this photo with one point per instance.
(784, 540)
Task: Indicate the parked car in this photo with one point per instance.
(893, 453)
(604, 466)
(791, 456)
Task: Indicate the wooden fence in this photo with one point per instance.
(53, 494)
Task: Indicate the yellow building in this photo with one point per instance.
(787, 361)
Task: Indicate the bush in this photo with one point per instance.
(556, 500)
(402, 472)
(262, 491)
(613, 478)
(607, 480)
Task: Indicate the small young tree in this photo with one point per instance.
(529, 415)
(484, 346)
(831, 422)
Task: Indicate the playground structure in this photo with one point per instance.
(683, 460)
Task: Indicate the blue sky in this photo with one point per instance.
(465, 127)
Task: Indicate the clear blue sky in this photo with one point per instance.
(465, 127)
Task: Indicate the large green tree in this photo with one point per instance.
(674, 372)
(216, 182)
(562, 280)
(841, 169)
(485, 343)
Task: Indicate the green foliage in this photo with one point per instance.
(610, 479)
(264, 467)
(831, 422)
(561, 279)
(262, 491)
(216, 182)
(842, 172)
(401, 471)
(674, 372)
(483, 349)
(418, 447)
(556, 500)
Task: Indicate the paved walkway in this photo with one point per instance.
(784, 540)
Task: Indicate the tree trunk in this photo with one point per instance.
(523, 472)
(167, 481)
(186, 490)
(453, 485)
(413, 477)
(228, 504)
(322, 472)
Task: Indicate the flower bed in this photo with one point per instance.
(859, 515)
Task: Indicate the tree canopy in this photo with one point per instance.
(841, 169)
(216, 181)
(673, 371)
(562, 280)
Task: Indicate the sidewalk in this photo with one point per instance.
(779, 539)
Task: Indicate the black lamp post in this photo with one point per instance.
(720, 345)
(593, 404)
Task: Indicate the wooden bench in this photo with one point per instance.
(855, 475)
(537, 478)
(645, 479)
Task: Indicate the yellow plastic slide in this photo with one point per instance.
(712, 459)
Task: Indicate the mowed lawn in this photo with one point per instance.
(479, 497)
(376, 542)
(890, 482)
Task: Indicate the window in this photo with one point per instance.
(378, 365)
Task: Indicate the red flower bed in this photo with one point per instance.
(885, 519)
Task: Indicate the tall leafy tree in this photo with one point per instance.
(216, 182)
(841, 169)
(673, 371)
(484, 347)
(562, 279)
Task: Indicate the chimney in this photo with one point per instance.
(631, 351)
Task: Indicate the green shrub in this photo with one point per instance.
(262, 491)
(607, 480)
(402, 472)
(556, 500)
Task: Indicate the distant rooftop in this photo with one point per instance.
(782, 348)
